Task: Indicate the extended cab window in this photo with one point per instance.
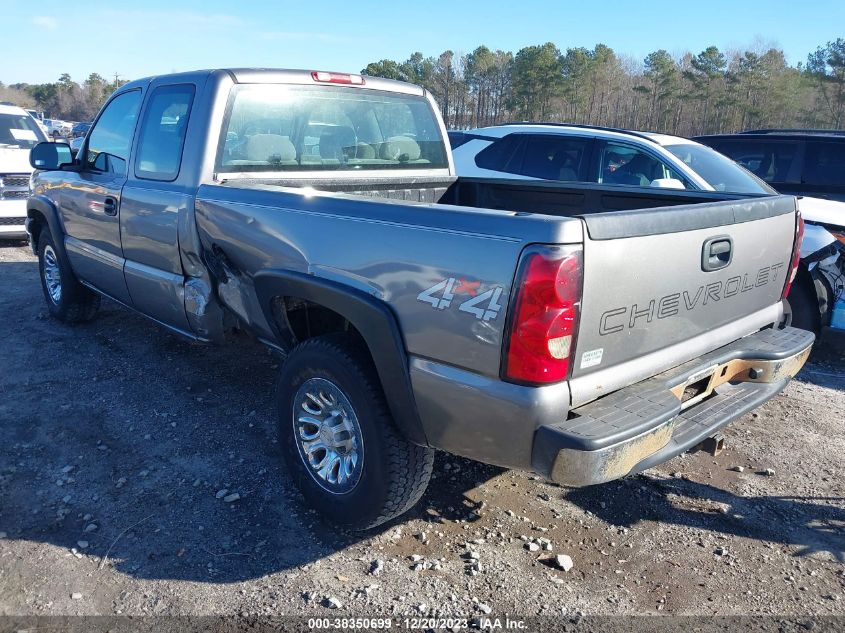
(319, 128)
(622, 164)
(111, 138)
(162, 134)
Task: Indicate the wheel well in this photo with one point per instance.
(299, 306)
(37, 224)
(300, 320)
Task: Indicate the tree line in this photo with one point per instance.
(64, 99)
(709, 92)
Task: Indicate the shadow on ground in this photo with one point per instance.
(804, 522)
(120, 435)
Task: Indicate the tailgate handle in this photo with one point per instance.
(717, 253)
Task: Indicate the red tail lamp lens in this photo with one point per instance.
(544, 320)
(796, 256)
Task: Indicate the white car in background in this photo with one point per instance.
(58, 129)
(588, 154)
(18, 134)
(609, 156)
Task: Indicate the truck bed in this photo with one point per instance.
(544, 197)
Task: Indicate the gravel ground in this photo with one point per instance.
(119, 440)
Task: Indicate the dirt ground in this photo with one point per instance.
(118, 437)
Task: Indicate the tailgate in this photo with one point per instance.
(662, 286)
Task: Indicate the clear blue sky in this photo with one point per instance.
(43, 39)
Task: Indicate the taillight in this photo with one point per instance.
(337, 78)
(796, 256)
(544, 317)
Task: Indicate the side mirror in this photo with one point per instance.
(50, 156)
(667, 183)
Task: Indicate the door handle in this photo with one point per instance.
(717, 253)
(110, 206)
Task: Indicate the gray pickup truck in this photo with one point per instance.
(584, 332)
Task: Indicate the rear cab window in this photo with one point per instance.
(291, 128)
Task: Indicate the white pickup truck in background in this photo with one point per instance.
(58, 129)
(19, 133)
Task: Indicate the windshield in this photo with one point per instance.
(719, 171)
(328, 128)
(19, 130)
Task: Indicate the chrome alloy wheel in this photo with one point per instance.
(52, 275)
(327, 435)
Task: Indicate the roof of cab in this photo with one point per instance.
(283, 76)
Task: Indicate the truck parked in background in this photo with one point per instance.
(19, 133)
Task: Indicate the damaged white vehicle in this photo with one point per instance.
(819, 300)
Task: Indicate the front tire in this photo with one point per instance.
(338, 439)
(67, 299)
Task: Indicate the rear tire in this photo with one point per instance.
(329, 395)
(67, 299)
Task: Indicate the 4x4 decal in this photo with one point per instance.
(484, 306)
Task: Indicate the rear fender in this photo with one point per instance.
(373, 319)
